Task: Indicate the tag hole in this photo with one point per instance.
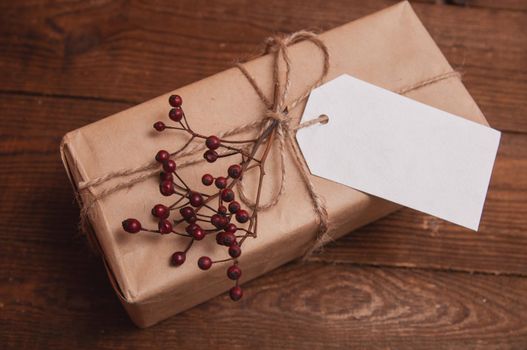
(324, 119)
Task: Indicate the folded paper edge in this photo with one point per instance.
(66, 157)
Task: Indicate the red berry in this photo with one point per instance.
(212, 142)
(222, 210)
(162, 156)
(231, 228)
(210, 156)
(220, 182)
(219, 238)
(218, 220)
(195, 199)
(191, 228)
(178, 258)
(234, 272)
(204, 263)
(228, 239)
(176, 114)
(236, 293)
(187, 212)
(234, 207)
(224, 221)
(169, 166)
(242, 216)
(160, 211)
(131, 225)
(164, 226)
(159, 126)
(166, 176)
(207, 179)
(198, 234)
(166, 188)
(235, 250)
(191, 219)
(227, 195)
(234, 171)
(175, 100)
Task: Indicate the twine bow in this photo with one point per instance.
(277, 111)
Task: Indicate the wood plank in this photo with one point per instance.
(338, 306)
(514, 5)
(482, 45)
(32, 133)
(150, 48)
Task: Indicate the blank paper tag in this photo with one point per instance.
(398, 149)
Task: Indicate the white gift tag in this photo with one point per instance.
(390, 146)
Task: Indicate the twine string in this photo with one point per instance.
(278, 110)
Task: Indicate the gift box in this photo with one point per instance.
(390, 48)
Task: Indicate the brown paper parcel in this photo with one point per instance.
(390, 48)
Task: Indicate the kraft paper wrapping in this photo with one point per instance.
(390, 48)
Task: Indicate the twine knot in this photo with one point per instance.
(277, 111)
(279, 116)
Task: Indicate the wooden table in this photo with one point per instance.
(406, 281)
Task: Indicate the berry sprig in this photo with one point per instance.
(198, 215)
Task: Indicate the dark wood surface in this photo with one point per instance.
(406, 281)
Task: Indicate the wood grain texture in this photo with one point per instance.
(520, 5)
(64, 64)
(351, 307)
